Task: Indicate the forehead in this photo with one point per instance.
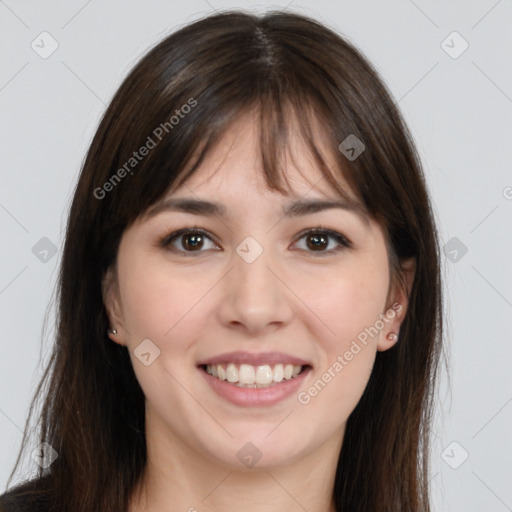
(230, 182)
(234, 165)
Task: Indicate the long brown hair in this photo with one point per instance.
(178, 101)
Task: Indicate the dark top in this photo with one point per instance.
(25, 497)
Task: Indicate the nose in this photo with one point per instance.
(255, 296)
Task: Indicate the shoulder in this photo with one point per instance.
(28, 496)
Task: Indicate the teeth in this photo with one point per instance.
(232, 373)
(250, 376)
(247, 374)
(264, 374)
(278, 373)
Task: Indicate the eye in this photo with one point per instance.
(187, 240)
(319, 240)
(324, 241)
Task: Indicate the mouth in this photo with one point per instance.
(252, 377)
(251, 380)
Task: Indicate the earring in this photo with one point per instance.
(112, 331)
(392, 336)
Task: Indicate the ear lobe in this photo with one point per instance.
(390, 335)
(110, 294)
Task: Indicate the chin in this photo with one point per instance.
(254, 451)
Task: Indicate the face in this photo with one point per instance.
(221, 311)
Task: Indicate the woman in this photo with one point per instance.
(250, 303)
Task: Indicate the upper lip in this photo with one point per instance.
(255, 359)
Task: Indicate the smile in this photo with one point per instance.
(255, 379)
(249, 376)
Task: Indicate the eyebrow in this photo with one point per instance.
(294, 209)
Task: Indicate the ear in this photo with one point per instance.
(112, 302)
(399, 302)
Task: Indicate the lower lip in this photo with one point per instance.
(251, 397)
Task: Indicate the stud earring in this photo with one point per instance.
(392, 336)
(112, 331)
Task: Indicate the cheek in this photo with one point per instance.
(349, 309)
(350, 302)
(161, 303)
(152, 298)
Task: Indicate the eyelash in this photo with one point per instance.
(343, 242)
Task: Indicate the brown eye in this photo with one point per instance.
(320, 241)
(192, 241)
(316, 242)
(188, 241)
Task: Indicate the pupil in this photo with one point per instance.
(318, 241)
(192, 241)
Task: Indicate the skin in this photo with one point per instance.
(290, 299)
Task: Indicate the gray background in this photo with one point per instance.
(459, 110)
